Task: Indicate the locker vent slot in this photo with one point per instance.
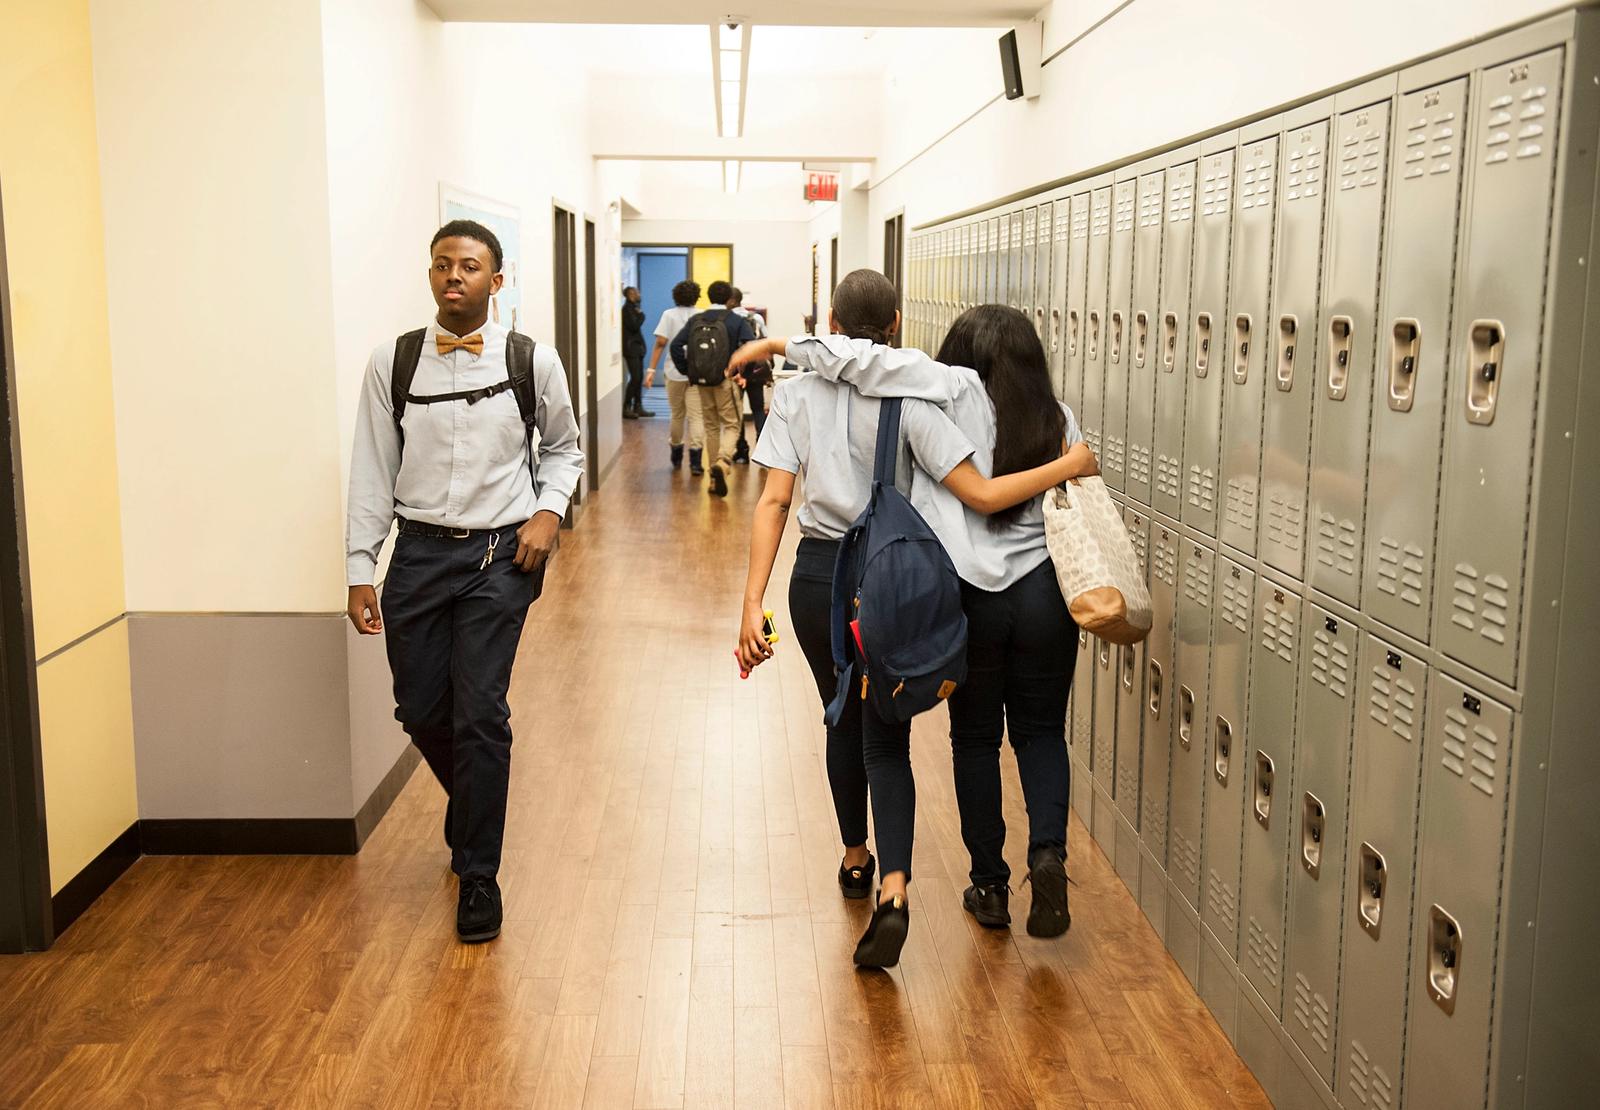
(1240, 510)
(1080, 220)
(1166, 565)
(1368, 1085)
(1224, 903)
(1153, 821)
(1236, 604)
(1330, 663)
(1393, 702)
(1091, 436)
(1150, 202)
(1285, 515)
(1169, 477)
(1489, 605)
(1336, 544)
(1471, 750)
(1312, 1011)
(1278, 630)
(1305, 173)
(1186, 859)
(1256, 188)
(1263, 952)
(1128, 778)
(1203, 489)
(1216, 192)
(1139, 463)
(1180, 196)
(1400, 570)
(1197, 583)
(1139, 534)
(1125, 204)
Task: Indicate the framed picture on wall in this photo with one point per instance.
(505, 220)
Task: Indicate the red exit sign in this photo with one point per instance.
(822, 186)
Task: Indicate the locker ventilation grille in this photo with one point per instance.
(1330, 663)
(1394, 702)
(1263, 953)
(1153, 819)
(1480, 608)
(1240, 510)
(1169, 477)
(1285, 519)
(1277, 631)
(1100, 223)
(1150, 203)
(1256, 188)
(1369, 1085)
(1125, 204)
(1236, 604)
(1128, 780)
(1216, 193)
(1091, 436)
(1312, 1012)
(1305, 173)
(1224, 904)
(1336, 544)
(1080, 221)
(1471, 750)
(1116, 455)
(1203, 489)
(1166, 568)
(1140, 535)
(1401, 570)
(1139, 464)
(1180, 197)
(1498, 129)
(1186, 859)
(1197, 583)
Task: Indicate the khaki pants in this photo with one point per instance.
(676, 401)
(714, 422)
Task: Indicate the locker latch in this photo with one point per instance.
(1222, 749)
(1486, 349)
(1038, 323)
(1155, 689)
(1092, 352)
(1202, 344)
(1404, 347)
(1444, 958)
(1055, 330)
(1116, 336)
(1263, 792)
(1338, 357)
(1105, 655)
(1374, 877)
(1169, 342)
(1185, 716)
(1141, 338)
(1241, 347)
(1288, 330)
(1311, 827)
(1072, 332)
(1128, 667)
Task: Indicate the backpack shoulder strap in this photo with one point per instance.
(519, 368)
(888, 449)
(407, 353)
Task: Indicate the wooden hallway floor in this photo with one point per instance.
(674, 936)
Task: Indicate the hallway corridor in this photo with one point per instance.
(673, 934)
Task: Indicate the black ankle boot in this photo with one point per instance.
(1047, 874)
(989, 904)
(478, 909)
(677, 456)
(886, 934)
(694, 462)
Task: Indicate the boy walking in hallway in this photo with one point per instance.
(710, 383)
(444, 442)
(684, 295)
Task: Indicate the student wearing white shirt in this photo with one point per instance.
(681, 400)
(1021, 640)
(451, 455)
(829, 433)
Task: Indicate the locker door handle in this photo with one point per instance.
(1222, 749)
(1093, 351)
(1127, 667)
(1202, 344)
(1105, 655)
(1312, 819)
(1072, 332)
(1038, 325)
(1116, 336)
(1404, 347)
(1141, 338)
(1288, 331)
(1486, 350)
(1241, 348)
(1444, 958)
(1263, 793)
(1055, 330)
(1155, 689)
(1374, 878)
(1169, 342)
(1185, 716)
(1083, 639)
(1338, 357)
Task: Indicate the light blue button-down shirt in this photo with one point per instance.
(463, 466)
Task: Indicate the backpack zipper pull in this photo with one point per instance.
(898, 688)
(863, 687)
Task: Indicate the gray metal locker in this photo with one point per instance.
(1081, 736)
(1045, 238)
(1116, 346)
(1497, 336)
(1103, 754)
(1249, 336)
(1144, 340)
(1329, 683)
(1341, 392)
(1160, 697)
(1030, 241)
(1170, 347)
(1091, 416)
(1379, 871)
(1193, 676)
(1130, 694)
(1210, 348)
(1055, 306)
(1228, 757)
(1269, 820)
(1294, 336)
(1077, 325)
(1014, 259)
(1467, 761)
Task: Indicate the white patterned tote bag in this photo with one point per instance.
(1096, 566)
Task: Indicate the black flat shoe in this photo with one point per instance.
(856, 882)
(478, 909)
(886, 934)
(1047, 874)
(989, 904)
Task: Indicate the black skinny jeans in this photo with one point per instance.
(862, 749)
(1021, 646)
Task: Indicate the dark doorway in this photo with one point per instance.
(833, 266)
(565, 287)
(894, 230)
(25, 915)
(591, 359)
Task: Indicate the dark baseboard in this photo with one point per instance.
(384, 794)
(249, 836)
(79, 894)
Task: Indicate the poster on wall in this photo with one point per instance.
(506, 222)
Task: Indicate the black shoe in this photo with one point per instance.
(1048, 916)
(719, 481)
(478, 909)
(643, 412)
(630, 414)
(449, 815)
(989, 904)
(741, 454)
(886, 934)
(677, 457)
(856, 882)
(694, 463)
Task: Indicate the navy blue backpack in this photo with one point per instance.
(899, 635)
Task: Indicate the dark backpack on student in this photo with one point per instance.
(899, 634)
(519, 380)
(709, 349)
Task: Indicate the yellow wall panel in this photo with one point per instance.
(55, 259)
(708, 264)
(86, 714)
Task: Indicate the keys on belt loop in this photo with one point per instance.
(488, 556)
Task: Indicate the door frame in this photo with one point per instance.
(591, 355)
(26, 922)
(564, 262)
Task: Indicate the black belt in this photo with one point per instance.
(440, 531)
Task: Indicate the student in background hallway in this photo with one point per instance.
(719, 423)
(443, 436)
(633, 355)
(749, 381)
(1021, 641)
(830, 433)
(684, 295)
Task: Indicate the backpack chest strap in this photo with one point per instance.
(470, 396)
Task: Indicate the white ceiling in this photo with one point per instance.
(817, 51)
(820, 13)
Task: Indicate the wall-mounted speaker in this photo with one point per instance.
(1020, 65)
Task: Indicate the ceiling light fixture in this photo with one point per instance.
(730, 64)
(731, 171)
